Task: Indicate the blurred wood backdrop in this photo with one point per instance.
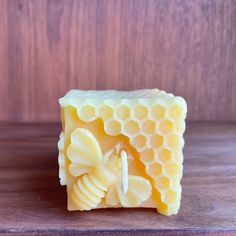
(47, 47)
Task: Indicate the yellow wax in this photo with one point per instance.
(97, 125)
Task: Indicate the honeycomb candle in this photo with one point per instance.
(122, 149)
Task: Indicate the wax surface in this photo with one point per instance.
(97, 125)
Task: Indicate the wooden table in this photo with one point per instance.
(33, 202)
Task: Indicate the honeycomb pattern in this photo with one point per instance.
(154, 125)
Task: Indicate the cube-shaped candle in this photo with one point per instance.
(122, 149)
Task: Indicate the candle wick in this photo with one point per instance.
(124, 171)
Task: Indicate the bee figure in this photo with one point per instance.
(101, 176)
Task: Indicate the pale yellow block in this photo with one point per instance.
(148, 124)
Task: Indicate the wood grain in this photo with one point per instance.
(32, 202)
(47, 47)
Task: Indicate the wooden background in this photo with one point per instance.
(187, 47)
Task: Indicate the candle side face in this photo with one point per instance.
(97, 125)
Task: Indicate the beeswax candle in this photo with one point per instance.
(122, 149)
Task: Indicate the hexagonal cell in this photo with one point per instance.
(106, 112)
(178, 155)
(158, 112)
(180, 127)
(154, 169)
(156, 141)
(170, 196)
(172, 169)
(139, 141)
(175, 112)
(175, 141)
(175, 183)
(123, 112)
(162, 183)
(164, 155)
(166, 126)
(131, 127)
(149, 126)
(147, 155)
(87, 113)
(140, 112)
(113, 127)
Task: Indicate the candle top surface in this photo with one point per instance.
(144, 94)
